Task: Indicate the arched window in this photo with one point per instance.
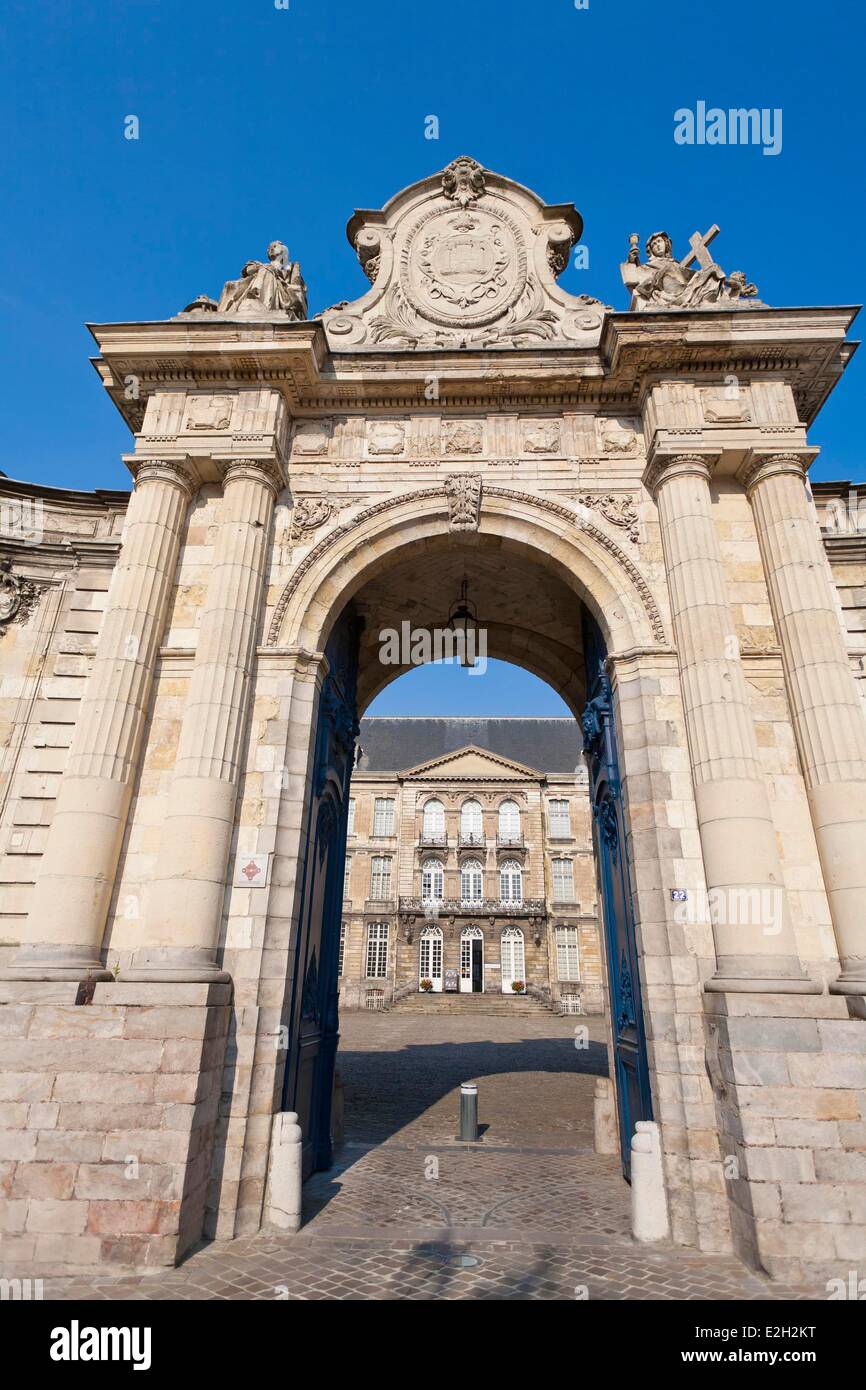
(430, 957)
(432, 881)
(513, 959)
(434, 817)
(511, 882)
(471, 960)
(471, 824)
(471, 881)
(509, 823)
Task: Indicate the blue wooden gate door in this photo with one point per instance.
(313, 1015)
(631, 1072)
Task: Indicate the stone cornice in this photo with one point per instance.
(845, 548)
(98, 552)
(807, 345)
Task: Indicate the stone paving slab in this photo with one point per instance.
(409, 1213)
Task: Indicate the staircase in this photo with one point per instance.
(515, 1005)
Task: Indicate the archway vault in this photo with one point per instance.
(522, 527)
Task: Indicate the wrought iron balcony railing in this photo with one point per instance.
(472, 838)
(510, 841)
(434, 838)
(483, 907)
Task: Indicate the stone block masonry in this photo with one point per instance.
(789, 1078)
(107, 1120)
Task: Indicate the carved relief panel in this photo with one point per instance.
(465, 258)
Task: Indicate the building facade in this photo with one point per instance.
(470, 871)
(625, 493)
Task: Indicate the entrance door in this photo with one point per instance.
(313, 1017)
(471, 961)
(430, 958)
(631, 1070)
(512, 956)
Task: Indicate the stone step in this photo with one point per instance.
(469, 1004)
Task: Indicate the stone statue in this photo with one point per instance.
(267, 287)
(665, 283)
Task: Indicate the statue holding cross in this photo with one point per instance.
(665, 283)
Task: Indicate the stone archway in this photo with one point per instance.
(585, 567)
(588, 558)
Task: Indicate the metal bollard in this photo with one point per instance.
(468, 1112)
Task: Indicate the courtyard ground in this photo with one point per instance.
(408, 1212)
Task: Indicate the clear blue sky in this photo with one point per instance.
(258, 122)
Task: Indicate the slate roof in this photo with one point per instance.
(553, 746)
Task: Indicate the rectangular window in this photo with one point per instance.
(380, 877)
(567, 957)
(342, 952)
(560, 820)
(347, 874)
(351, 828)
(377, 950)
(563, 881)
(383, 816)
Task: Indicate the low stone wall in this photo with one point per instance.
(107, 1115)
(789, 1076)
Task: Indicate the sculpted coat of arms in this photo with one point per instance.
(463, 267)
(464, 258)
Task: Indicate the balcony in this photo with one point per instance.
(471, 839)
(510, 841)
(533, 908)
(433, 839)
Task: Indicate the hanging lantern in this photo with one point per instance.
(463, 621)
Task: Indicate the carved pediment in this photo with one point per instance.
(464, 258)
(472, 762)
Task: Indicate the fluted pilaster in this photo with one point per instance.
(184, 904)
(825, 707)
(754, 939)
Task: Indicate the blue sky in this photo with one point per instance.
(258, 122)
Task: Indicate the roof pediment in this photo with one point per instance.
(472, 762)
(465, 258)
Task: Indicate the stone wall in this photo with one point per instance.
(789, 1080)
(107, 1122)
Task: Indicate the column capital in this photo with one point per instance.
(262, 470)
(661, 468)
(181, 472)
(761, 464)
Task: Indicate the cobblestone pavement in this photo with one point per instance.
(407, 1212)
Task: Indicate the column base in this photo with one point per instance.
(852, 979)
(42, 962)
(190, 965)
(750, 975)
